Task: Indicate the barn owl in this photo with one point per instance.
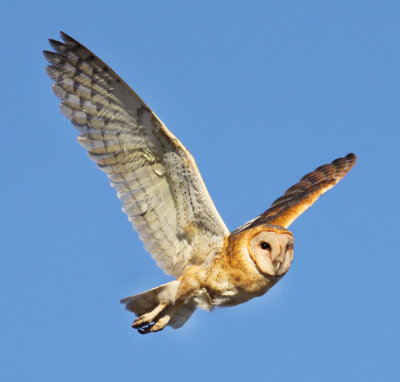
(167, 202)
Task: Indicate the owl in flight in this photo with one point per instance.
(167, 202)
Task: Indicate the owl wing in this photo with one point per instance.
(303, 194)
(155, 176)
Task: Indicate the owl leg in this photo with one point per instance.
(179, 294)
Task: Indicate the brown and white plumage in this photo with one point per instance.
(156, 178)
(166, 200)
(303, 194)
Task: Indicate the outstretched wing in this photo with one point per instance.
(157, 179)
(302, 195)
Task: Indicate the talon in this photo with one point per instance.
(145, 330)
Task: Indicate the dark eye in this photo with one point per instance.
(265, 245)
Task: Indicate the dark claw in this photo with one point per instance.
(146, 329)
(137, 326)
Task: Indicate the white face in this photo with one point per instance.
(272, 252)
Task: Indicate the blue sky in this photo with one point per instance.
(261, 92)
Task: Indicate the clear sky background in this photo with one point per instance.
(261, 92)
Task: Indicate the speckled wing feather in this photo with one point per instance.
(303, 194)
(156, 178)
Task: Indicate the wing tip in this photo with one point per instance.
(47, 54)
(344, 165)
(351, 158)
(67, 38)
(284, 210)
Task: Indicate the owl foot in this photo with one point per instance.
(153, 327)
(152, 321)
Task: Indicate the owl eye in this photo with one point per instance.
(265, 245)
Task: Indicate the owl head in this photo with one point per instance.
(269, 247)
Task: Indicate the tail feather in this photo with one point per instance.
(181, 315)
(145, 302)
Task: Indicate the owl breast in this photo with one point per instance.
(233, 279)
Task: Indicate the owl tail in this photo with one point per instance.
(164, 294)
